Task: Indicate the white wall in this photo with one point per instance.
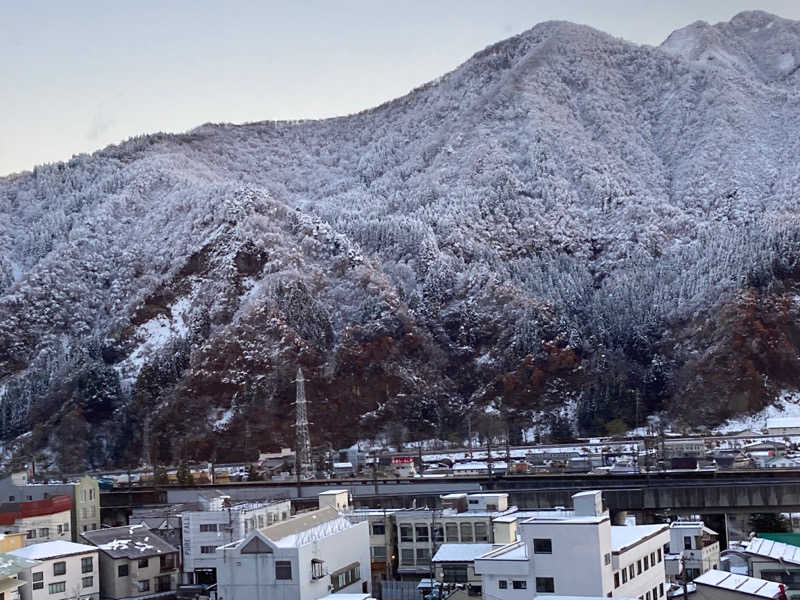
(576, 546)
(252, 576)
(653, 577)
(194, 539)
(73, 579)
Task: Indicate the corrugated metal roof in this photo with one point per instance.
(774, 550)
(739, 583)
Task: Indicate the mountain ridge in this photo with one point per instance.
(561, 229)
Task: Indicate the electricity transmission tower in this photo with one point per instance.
(302, 439)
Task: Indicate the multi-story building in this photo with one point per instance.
(40, 520)
(464, 519)
(693, 549)
(304, 558)
(382, 541)
(619, 561)
(134, 562)
(221, 522)
(63, 570)
(84, 493)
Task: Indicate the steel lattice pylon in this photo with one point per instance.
(302, 438)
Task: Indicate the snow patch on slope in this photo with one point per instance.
(787, 405)
(155, 334)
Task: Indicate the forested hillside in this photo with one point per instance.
(567, 233)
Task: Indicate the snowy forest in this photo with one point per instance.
(567, 233)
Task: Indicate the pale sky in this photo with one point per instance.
(77, 76)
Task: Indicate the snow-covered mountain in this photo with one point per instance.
(567, 219)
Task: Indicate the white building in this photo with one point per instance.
(66, 570)
(466, 519)
(621, 561)
(304, 558)
(783, 426)
(222, 522)
(694, 544)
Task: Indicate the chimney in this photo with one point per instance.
(588, 504)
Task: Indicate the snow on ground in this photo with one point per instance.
(155, 334)
(788, 405)
(222, 421)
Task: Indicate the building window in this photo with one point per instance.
(44, 532)
(66, 527)
(658, 553)
(502, 584)
(122, 570)
(87, 581)
(542, 546)
(11, 498)
(545, 585)
(466, 532)
(283, 570)
(208, 549)
(379, 528)
(616, 579)
(519, 584)
(163, 583)
(379, 553)
(646, 564)
(653, 558)
(59, 568)
(687, 542)
(86, 564)
(317, 569)
(57, 588)
(345, 577)
(407, 556)
(661, 590)
(655, 593)
(481, 532)
(423, 556)
(206, 527)
(406, 533)
(453, 573)
(60, 529)
(639, 567)
(423, 534)
(630, 571)
(624, 575)
(607, 558)
(143, 563)
(38, 580)
(647, 596)
(143, 585)
(451, 532)
(31, 534)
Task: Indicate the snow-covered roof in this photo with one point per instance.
(11, 564)
(625, 536)
(306, 528)
(774, 550)
(739, 583)
(132, 541)
(52, 549)
(333, 492)
(460, 552)
(342, 465)
(513, 551)
(783, 422)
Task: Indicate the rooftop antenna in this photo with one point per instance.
(302, 439)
